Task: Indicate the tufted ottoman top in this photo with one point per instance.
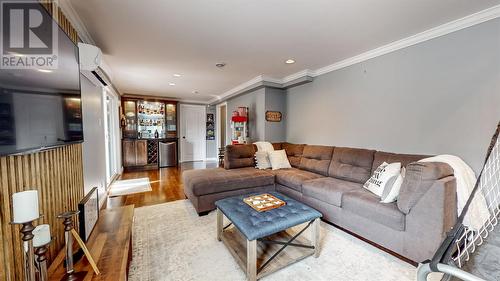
(255, 225)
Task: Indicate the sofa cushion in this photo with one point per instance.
(294, 178)
(208, 181)
(316, 158)
(277, 145)
(419, 177)
(294, 152)
(405, 159)
(238, 156)
(328, 190)
(352, 164)
(367, 205)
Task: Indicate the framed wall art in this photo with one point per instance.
(273, 116)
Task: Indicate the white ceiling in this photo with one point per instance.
(145, 42)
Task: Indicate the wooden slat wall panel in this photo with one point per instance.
(59, 17)
(57, 174)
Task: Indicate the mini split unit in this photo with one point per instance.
(91, 64)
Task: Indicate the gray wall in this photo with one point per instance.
(258, 102)
(94, 154)
(255, 102)
(438, 97)
(275, 101)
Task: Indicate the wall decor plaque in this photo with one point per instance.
(273, 116)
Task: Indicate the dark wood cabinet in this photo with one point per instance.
(141, 148)
(135, 153)
(145, 121)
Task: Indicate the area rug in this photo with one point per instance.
(171, 242)
(132, 186)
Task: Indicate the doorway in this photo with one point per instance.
(221, 125)
(193, 143)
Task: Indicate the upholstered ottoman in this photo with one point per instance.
(204, 187)
(266, 233)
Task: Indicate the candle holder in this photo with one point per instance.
(28, 250)
(41, 259)
(70, 275)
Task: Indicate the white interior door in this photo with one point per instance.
(192, 128)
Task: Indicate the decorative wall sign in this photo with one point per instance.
(89, 213)
(273, 116)
(210, 126)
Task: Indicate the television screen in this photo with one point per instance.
(41, 108)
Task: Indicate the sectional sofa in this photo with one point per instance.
(330, 179)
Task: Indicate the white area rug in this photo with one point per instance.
(170, 242)
(125, 187)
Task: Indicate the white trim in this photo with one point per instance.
(444, 29)
(76, 21)
(211, 159)
(447, 28)
(297, 75)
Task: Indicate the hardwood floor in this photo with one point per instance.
(165, 182)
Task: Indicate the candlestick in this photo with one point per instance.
(25, 212)
(25, 206)
(41, 259)
(42, 235)
(68, 226)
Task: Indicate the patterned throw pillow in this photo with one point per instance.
(391, 190)
(262, 160)
(385, 175)
(279, 160)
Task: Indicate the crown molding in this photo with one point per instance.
(76, 21)
(444, 29)
(447, 28)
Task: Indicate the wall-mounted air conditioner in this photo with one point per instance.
(91, 64)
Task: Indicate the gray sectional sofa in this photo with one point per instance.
(330, 179)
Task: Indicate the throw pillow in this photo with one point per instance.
(391, 191)
(264, 146)
(262, 160)
(384, 174)
(279, 160)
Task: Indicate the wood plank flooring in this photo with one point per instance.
(166, 185)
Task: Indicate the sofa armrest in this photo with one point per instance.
(239, 156)
(430, 219)
(420, 176)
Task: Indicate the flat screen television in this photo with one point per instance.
(40, 108)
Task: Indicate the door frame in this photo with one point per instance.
(218, 117)
(182, 106)
(113, 137)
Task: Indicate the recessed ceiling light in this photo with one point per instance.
(45, 70)
(177, 75)
(220, 64)
(196, 92)
(171, 84)
(290, 61)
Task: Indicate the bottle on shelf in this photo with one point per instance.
(156, 134)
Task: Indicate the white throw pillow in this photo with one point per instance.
(384, 174)
(262, 160)
(279, 160)
(391, 191)
(264, 146)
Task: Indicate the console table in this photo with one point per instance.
(110, 245)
